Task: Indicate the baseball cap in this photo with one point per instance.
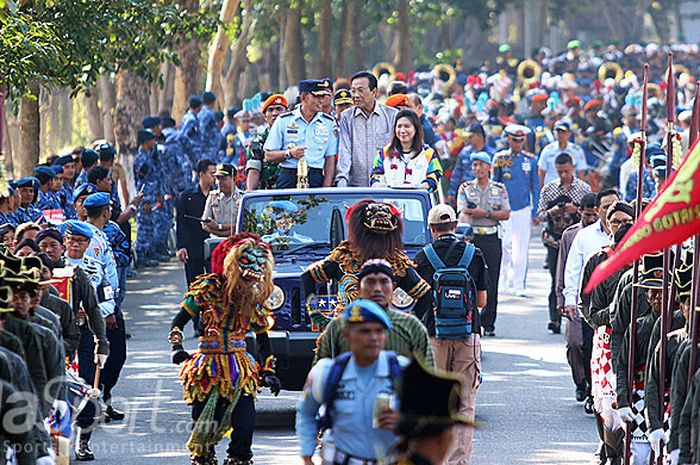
(442, 213)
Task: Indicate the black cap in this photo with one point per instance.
(195, 101)
(167, 122)
(208, 97)
(225, 169)
(475, 128)
(219, 115)
(64, 160)
(150, 122)
(106, 151)
(144, 135)
(315, 86)
(231, 111)
(89, 157)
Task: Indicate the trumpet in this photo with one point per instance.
(302, 171)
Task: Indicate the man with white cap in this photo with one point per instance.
(517, 170)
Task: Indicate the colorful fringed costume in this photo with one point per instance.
(374, 231)
(221, 379)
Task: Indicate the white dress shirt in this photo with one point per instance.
(588, 241)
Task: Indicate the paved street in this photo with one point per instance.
(526, 403)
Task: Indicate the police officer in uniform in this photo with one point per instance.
(261, 174)
(517, 170)
(484, 204)
(221, 208)
(305, 132)
(356, 434)
(27, 212)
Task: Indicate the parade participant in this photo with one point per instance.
(429, 416)
(633, 414)
(27, 212)
(209, 131)
(221, 209)
(655, 157)
(327, 97)
(364, 131)
(189, 126)
(260, 174)
(484, 204)
(546, 165)
(454, 325)
(407, 337)
(147, 182)
(375, 230)
(658, 436)
(6, 200)
(398, 101)
(7, 234)
(88, 159)
(342, 100)
(463, 168)
(221, 379)
(406, 161)
(190, 235)
(305, 132)
(429, 136)
(229, 126)
(46, 199)
(65, 193)
(116, 171)
(349, 386)
(98, 214)
(558, 209)
(61, 308)
(515, 168)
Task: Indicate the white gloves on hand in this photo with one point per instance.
(672, 458)
(657, 439)
(61, 406)
(100, 360)
(626, 414)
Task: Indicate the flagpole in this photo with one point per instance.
(695, 287)
(635, 273)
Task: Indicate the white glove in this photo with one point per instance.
(672, 458)
(61, 406)
(100, 360)
(45, 460)
(657, 439)
(626, 414)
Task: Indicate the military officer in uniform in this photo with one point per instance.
(306, 132)
(517, 170)
(27, 212)
(261, 174)
(484, 204)
(342, 100)
(221, 208)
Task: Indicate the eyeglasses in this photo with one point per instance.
(77, 240)
(619, 222)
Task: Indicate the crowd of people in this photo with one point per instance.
(508, 147)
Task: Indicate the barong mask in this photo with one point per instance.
(252, 262)
(380, 218)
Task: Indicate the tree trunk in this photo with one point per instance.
(45, 142)
(238, 59)
(12, 144)
(108, 98)
(325, 60)
(356, 24)
(678, 18)
(270, 62)
(282, 81)
(131, 99)
(65, 115)
(93, 115)
(188, 76)
(343, 39)
(294, 47)
(28, 154)
(165, 97)
(403, 53)
(219, 46)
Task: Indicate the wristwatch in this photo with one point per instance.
(287, 154)
(132, 207)
(221, 227)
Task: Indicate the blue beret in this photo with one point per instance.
(27, 181)
(150, 122)
(76, 227)
(219, 115)
(89, 157)
(366, 311)
(44, 174)
(658, 160)
(106, 150)
(231, 111)
(285, 205)
(13, 184)
(99, 199)
(58, 169)
(167, 122)
(481, 156)
(208, 97)
(84, 189)
(517, 130)
(195, 101)
(144, 135)
(64, 160)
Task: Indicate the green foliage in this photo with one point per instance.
(71, 42)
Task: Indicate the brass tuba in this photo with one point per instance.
(446, 74)
(655, 91)
(529, 71)
(384, 68)
(610, 70)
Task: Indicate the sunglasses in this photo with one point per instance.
(517, 139)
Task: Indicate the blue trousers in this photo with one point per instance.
(288, 178)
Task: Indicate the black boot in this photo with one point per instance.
(83, 452)
(581, 392)
(204, 459)
(112, 414)
(237, 461)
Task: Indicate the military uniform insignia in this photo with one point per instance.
(356, 315)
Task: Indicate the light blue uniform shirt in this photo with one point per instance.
(520, 178)
(320, 137)
(100, 250)
(352, 431)
(552, 151)
(96, 272)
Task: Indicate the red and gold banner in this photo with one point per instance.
(671, 218)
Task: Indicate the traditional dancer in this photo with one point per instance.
(221, 379)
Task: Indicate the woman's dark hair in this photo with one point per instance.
(417, 145)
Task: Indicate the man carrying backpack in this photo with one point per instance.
(358, 389)
(458, 273)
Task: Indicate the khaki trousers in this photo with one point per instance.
(462, 357)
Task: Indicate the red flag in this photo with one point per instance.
(671, 218)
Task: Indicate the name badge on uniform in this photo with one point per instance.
(495, 191)
(526, 166)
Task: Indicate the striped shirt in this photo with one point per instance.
(407, 337)
(553, 190)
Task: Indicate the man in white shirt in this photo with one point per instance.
(546, 166)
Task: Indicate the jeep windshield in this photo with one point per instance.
(302, 223)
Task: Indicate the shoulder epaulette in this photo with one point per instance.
(501, 153)
(327, 116)
(284, 115)
(499, 184)
(528, 154)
